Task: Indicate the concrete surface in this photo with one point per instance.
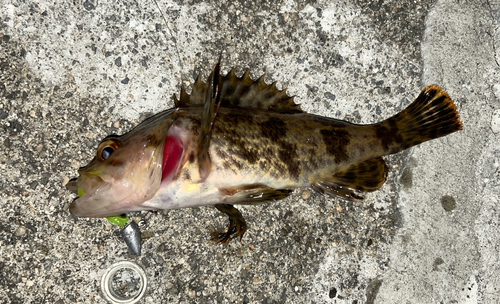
(73, 72)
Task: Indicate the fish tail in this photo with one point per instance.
(433, 114)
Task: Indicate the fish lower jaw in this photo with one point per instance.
(116, 201)
(100, 213)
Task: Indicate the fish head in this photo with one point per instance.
(126, 171)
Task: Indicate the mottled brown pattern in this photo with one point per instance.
(237, 117)
(297, 146)
(265, 164)
(336, 142)
(221, 154)
(287, 154)
(235, 150)
(243, 152)
(386, 136)
(274, 129)
(227, 165)
(313, 160)
(239, 149)
(238, 164)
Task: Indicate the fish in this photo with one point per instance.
(234, 140)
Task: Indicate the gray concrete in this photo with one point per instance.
(73, 72)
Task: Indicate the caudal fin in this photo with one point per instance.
(430, 116)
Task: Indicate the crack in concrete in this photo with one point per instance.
(493, 35)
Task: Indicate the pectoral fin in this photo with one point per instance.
(237, 225)
(245, 195)
(209, 113)
(366, 176)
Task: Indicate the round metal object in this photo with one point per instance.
(124, 283)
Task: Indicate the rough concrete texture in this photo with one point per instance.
(73, 72)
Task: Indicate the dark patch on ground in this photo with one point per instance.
(372, 291)
(406, 178)
(332, 293)
(437, 262)
(448, 203)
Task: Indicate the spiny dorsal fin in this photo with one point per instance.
(198, 93)
(242, 92)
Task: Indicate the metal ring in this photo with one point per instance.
(112, 295)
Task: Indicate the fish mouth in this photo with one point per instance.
(72, 185)
(90, 201)
(86, 183)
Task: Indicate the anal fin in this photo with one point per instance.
(253, 194)
(366, 176)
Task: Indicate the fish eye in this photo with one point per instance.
(106, 148)
(106, 152)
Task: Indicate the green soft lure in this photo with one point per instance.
(118, 220)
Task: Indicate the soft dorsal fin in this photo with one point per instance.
(242, 92)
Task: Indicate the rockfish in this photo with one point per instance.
(238, 141)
